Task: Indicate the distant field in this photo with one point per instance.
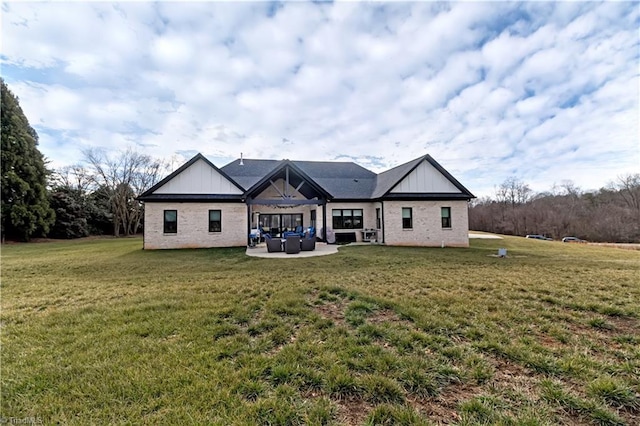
(102, 332)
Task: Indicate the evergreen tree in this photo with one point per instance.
(25, 206)
(71, 213)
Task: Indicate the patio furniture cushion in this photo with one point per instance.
(308, 244)
(292, 245)
(273, 244)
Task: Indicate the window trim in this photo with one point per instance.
(447, 219)
(406, 225)
(165, 228)
(211, 229)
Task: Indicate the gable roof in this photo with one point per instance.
(389, 179)
(149, 194)
(342, 180)
(333, 180)
(310, 190)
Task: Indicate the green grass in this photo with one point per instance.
(100, 331)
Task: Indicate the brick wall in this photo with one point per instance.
(427, 224)
(193, 226)
(368, 216)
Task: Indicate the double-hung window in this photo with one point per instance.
(445, 214)
(171, 221)
(215, 220)
(407, 218)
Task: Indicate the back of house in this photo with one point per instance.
(417, 203)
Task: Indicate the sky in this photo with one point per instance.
(543, 92)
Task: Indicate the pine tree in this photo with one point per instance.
(25, 206)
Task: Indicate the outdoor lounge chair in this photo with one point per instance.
(292, 245)
(273, 244)
(308, 244)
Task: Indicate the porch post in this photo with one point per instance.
(324, 219)
(382, 217)
(249, 208)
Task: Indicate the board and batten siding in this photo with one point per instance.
(199, 178)
(427, 227)
(193, 226)
(424, 179)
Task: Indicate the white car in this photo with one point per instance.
(572, 240)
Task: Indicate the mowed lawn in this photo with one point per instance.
(102, 332)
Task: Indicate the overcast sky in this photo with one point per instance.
(540, 91)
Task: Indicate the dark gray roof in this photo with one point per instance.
(336, 180)
(388, 179)
(250, 172)
(343, 180)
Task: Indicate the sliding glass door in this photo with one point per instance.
(276, 224)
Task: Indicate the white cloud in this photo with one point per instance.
(545, 91)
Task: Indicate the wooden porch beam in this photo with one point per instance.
(277, 189)
(289, 202)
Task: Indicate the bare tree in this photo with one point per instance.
(75, 177)
(512, 194)
(126, 175)
(629, 188)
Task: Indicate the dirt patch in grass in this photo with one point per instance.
(333, 311)
(387, 315)
(352, 411)
(549, 342)
(607, 330)
(513, 377)
(443, 408)
(624, 325)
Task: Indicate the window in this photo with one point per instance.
(378, 221)
(171, 221)
(215, 221)
(347, 218)
(407, 218)
(445, 213)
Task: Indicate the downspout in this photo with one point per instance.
(382, 217)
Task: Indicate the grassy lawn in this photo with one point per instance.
(97, 332)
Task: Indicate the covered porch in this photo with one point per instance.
(287, 200)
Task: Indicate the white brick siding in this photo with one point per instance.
(368, 216)
(427, 224)
(193, 226)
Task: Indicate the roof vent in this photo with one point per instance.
(241, 162)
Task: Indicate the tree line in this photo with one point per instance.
(98, 197)
(610, 214)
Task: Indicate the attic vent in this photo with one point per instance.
(355, 180)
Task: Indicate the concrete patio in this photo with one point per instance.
(322, 249)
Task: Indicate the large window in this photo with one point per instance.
(407, 218)
(445, 213)
(276, 224)
(347, 218)
(171, 221)
(215, 221)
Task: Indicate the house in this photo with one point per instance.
(200, 205)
